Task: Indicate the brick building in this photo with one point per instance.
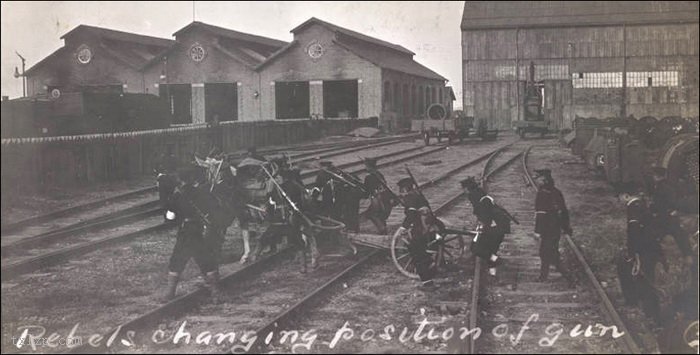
(329, 71)
(96, 59)
(209, 72)
(594, 59)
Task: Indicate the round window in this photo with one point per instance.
(197, 52)
(315, 50)
(84, 55)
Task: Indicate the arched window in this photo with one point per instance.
(432, 96)
(387, 96)
(441, 98)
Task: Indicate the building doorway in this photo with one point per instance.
(179, 97)
(292, 99)
(221, 101)
(340, 98)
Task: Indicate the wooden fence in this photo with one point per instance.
(30, 164)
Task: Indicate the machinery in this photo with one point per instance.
(534, 120)
(440, 124)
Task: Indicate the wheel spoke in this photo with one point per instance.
(402, 256)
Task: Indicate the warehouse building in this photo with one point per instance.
(212, 73)
(98, 60)
(591, 59)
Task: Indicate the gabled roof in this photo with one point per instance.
(400, 63)
(516, 14)
(231, 34)
(120, 36)
(276, 55)
(134, 50)
(352, 34)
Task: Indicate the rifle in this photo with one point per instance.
(512, 218)
(415, 183)
(284, 194)
(343, 179)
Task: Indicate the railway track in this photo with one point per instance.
(147, 194)
(446, 200)
(551, 316)
(39, 251)
(216, 317)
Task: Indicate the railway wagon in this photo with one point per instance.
(441, 124)
(77, 113)
(625, 150)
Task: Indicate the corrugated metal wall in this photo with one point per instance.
(491, 90)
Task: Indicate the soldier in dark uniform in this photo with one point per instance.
(328, 187)
(381, 202)
(190, 241)
(551, 218)
(665, 218)
(423, 227)
(284, 219)
(642, 245)
(166, 178)
(494, 224)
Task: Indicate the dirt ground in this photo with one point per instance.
(110, 286)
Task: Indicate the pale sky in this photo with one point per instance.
(430, 29)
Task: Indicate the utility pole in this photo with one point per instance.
(23, 75)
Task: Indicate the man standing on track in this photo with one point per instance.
(551, 218)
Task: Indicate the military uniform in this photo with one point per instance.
(494, 224)
(423, 227)
(664, 216)
(283, 219)
(329, 189)
(191, 241)
(551, 218)
(380, 200)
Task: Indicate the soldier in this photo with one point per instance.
(423, 227)
(494, 224)
(665, 218)
(166, 178)
(328, 187)
(551, 218)
(284, 219)
(642, 245)
(381, 202)
(190, 241)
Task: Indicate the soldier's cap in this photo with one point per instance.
(406, 182)
(543, 172)
(326, 163)
(370, 161)
(469, 182)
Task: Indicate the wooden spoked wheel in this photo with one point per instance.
(447, 250)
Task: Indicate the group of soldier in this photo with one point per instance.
(204, 202)
(651, 216)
